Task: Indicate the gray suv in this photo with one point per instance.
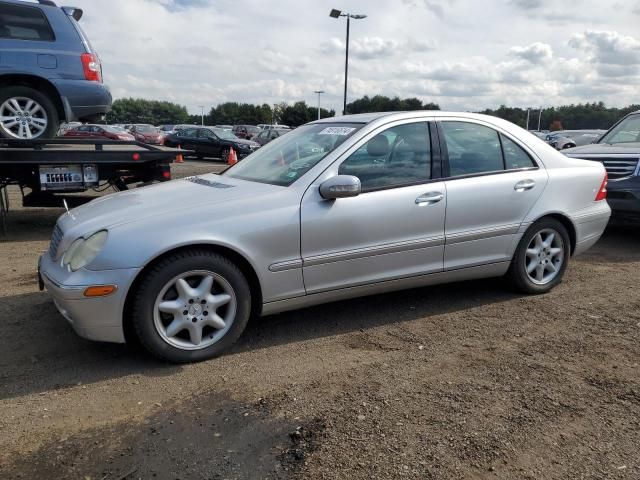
(49, 73)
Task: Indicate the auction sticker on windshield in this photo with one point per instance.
(336, 131)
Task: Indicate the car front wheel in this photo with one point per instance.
(191, 306)
(27, 114)
(541, 257)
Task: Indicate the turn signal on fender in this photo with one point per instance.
(100, 290)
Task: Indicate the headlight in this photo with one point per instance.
(83, 251)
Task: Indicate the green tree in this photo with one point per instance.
(381, 103)
(571, 117)
(138, 110)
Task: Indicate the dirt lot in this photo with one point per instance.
(458, 381)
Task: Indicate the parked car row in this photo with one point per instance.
(211, 142)
(563, 139)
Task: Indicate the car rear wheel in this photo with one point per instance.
(191, 306)
(541, 257)
(27, 114)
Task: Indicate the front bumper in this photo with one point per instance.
(624, 198)
(98, 318)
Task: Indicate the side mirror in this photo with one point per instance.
(341, 186)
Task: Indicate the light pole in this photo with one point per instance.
(528, 114)
(201, 115)
(319, 92)
(539, 118)
(337, 14)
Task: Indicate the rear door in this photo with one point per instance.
(492, 181)
(393, 229)
(188, 137)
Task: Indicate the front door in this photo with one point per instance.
(492, 182)
(393, 229)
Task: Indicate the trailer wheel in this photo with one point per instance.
(27, 114)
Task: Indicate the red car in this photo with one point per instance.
(99, 131)
(147, 134)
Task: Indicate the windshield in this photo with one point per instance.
(284, 160)
(146, 129)
(226, 134)
(112, 129)
(627, 131)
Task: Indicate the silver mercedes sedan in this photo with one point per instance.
(338, 208)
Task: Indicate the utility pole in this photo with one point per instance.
(539, 118)
(201, 115)
(528, 114)
(319, 92)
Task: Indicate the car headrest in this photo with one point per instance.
(378, 146)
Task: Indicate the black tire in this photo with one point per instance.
(224, 156)
(162, 273)
(517, 274)
(53, 120)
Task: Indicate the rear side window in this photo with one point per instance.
(514, 156)
(24, 23)
(475, 149)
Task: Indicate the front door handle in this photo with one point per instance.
(429, 198)
(524, 185)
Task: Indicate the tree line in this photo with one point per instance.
(136, 110)
(566, 117)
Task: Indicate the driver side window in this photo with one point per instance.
(398, 156)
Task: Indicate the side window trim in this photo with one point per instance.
(504, 158)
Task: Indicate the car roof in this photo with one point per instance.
(384, 117)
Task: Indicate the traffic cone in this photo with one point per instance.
(232, 158)
(179, 157)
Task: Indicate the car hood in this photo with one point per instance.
(177, 197)
(604, 149)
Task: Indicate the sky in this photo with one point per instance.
(464, 55)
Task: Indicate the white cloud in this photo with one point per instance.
(462, 54)
(535, 53)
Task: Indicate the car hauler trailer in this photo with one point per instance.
(44, 168)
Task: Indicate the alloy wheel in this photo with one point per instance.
(194, 310)
(544, 256)
(23, 118)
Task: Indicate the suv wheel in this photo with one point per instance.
(191, 306)
(27, 114)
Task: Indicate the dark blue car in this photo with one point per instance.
(49, 73)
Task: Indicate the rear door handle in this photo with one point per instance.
(429, 198)
(524, 185)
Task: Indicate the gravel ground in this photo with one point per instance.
(458, 381)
